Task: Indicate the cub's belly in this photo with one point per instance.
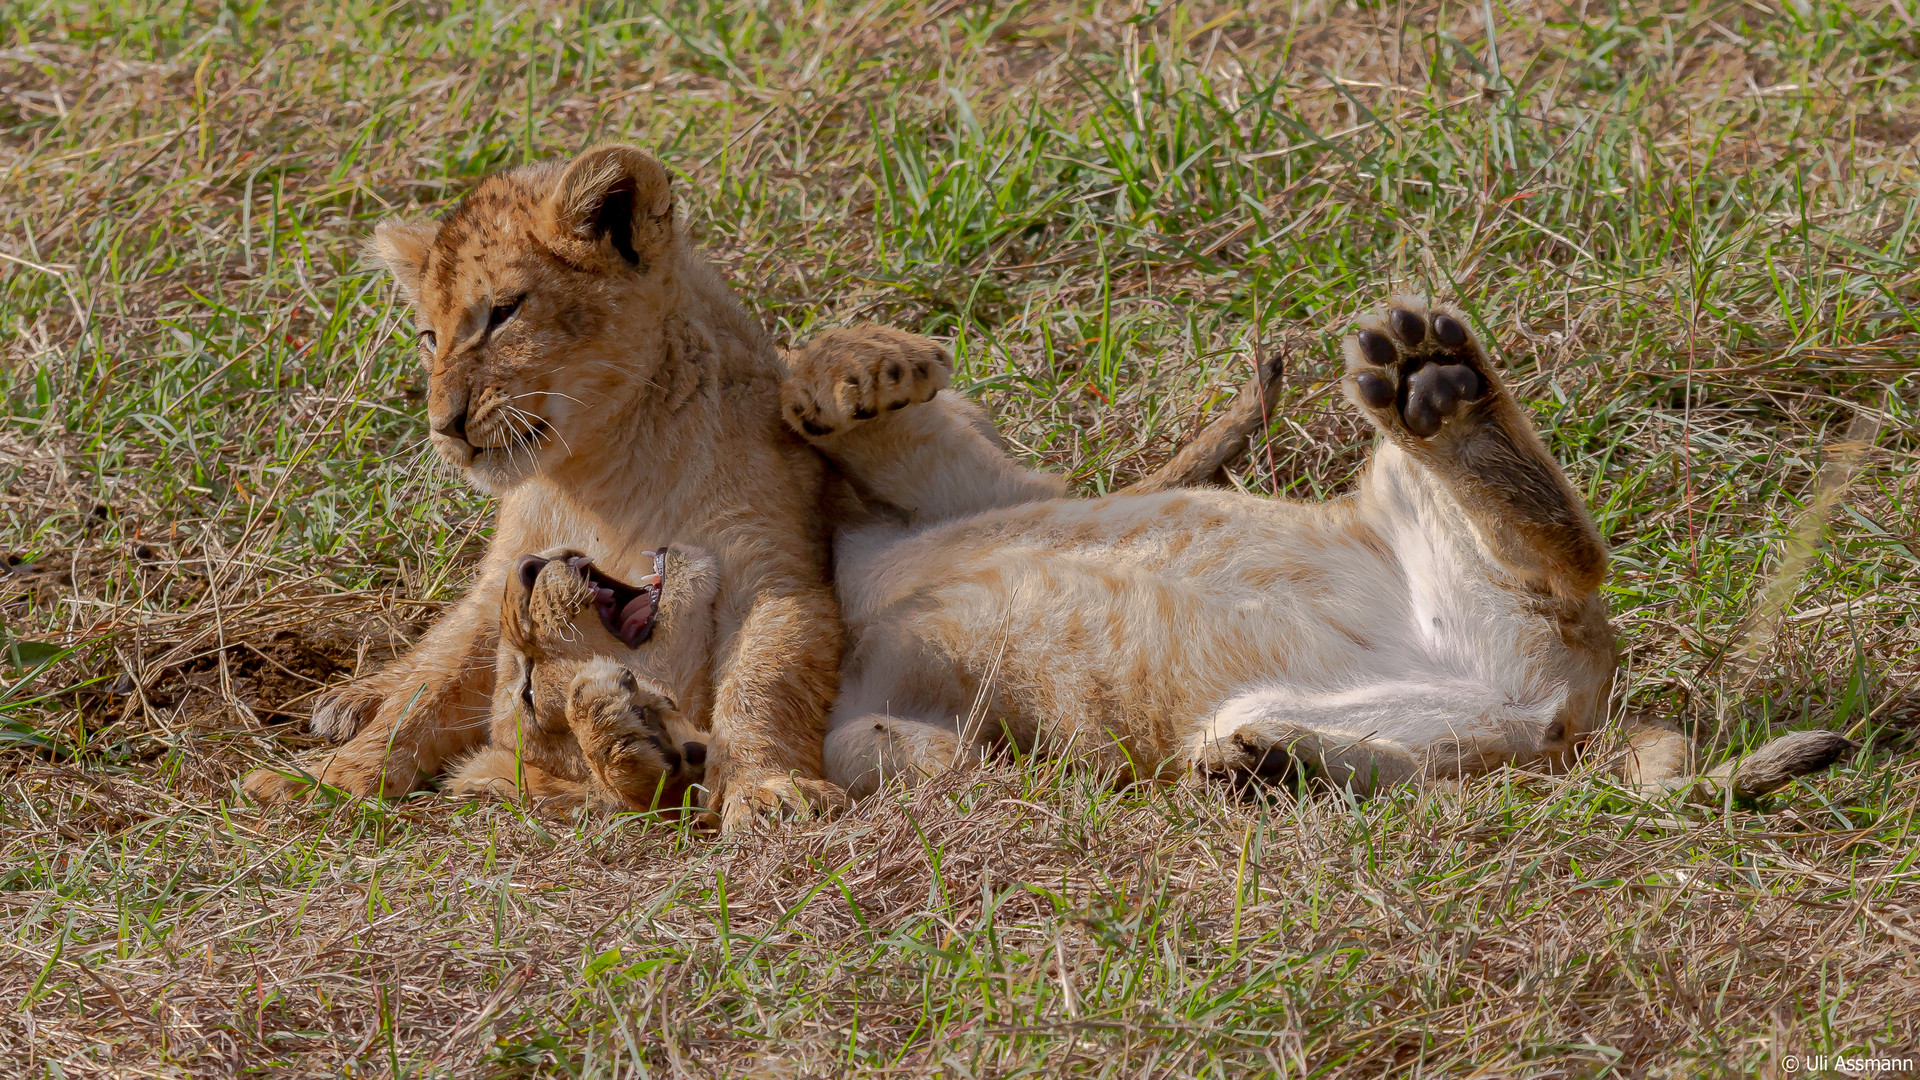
(1088, 647)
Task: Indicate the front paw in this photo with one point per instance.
(618, 721)
(341, 712)
(277, 787)
(367, 772)
(780, 798)
(854, 374)
(1416, 371)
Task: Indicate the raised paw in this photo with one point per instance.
(1414, 369)
(854, 374)
(619, 724)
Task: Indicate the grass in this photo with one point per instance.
(1688, 229)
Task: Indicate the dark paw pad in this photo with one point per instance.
(1407, 326)
(1377, 349)
(1436, 392)
(1424, 367)
(1375, 390)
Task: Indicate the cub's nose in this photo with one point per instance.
(454, 428)
(529, 569)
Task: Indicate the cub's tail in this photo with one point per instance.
(1661, 759)
(1780, 762)
(1223, 442)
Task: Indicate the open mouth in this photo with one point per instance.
(627, 611)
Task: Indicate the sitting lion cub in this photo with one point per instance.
(1441, 621)
(588, 367)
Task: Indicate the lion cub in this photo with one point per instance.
(597, 683)
(1442, 620)
(587, 366)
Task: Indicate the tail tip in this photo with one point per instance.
(1787, 758)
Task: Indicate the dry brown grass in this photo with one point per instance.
(1690, 235)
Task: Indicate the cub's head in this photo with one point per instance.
(594, 675)
(540, 304)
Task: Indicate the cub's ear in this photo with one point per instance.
(516, 610)
(613, 204)
(401, 247)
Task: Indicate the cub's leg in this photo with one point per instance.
(401, 724)
(632, 762)
(495, 772)
(1424, 381)
(873, 400)
(864, 752)
(619, 725)
(1376, 736)
(848, 393)
(431, 705)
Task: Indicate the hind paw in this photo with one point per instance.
(1416, 371)
(848, 376)
(1246, 762)
(1250, 758)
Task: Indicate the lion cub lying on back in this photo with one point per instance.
(578, 715)
(1441, 621)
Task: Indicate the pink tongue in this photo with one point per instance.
(634, 618)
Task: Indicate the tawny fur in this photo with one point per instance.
(1440, 621)
(577, 716)
(589, 368)
(1662, 760)
(941, 456)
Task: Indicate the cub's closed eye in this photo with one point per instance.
(502, 312)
